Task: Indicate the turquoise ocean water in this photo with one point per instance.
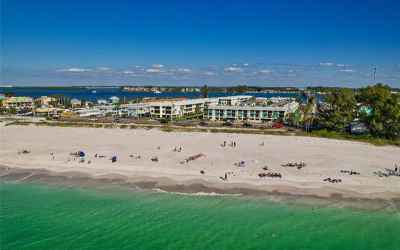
(37, 216)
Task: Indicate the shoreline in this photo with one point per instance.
(48, 159)
(194, 188)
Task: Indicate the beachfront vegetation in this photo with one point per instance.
(60, 101)
(368, 138)
(340, 110)
(309, 113)
(375, 106)
(384, 120)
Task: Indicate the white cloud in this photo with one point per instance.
(184, 70)
(347, 70)
(152, 70)
(245, 64)
(157, 66)
(233, 69)
(209, 73)
(74, 70)
(342, 65)
(104, 68)
(128, 72)
(326, 64)
(265, 71)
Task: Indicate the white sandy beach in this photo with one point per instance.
(324, 158)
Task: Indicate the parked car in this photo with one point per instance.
(358, 128)
(203, 123)
(227, 123)
(277, 125)
(247, 125)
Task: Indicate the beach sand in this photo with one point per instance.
(324, 158)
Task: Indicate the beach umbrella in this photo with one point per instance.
(81, 154)
(113, 159)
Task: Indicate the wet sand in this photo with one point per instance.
(78, 179)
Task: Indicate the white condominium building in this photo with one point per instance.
(233, 100)
(135, 110)
(176, 109)
(18, 102)
(249, 113)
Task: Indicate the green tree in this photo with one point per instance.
(9, 94)
(60, 100)
(340, 111)
(36, 103)
(384, 118)
(308, 113)
(83, 103)
(204, 91)
(294, 118)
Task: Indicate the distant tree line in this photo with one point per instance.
(240, 89)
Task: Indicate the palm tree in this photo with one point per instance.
(204, 91)
(308, 113)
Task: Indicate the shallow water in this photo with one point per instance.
(37, 216)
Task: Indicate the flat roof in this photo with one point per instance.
(183, 102)
(196, 100)
(235, 97)
(249, 108)
(19, 99)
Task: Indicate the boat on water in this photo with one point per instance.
(94, 91)
(157, 92)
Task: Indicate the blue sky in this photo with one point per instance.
(270, 43)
